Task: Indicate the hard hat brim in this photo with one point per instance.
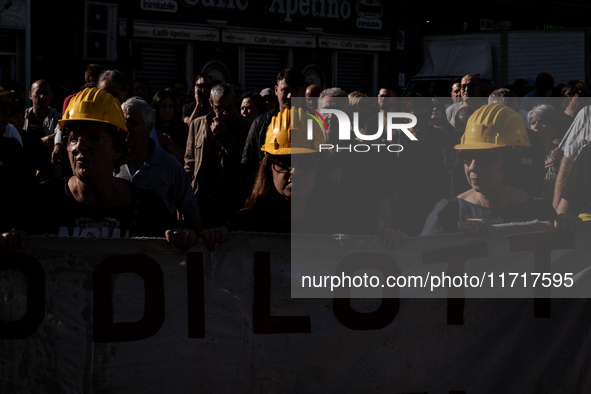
(478, 145)
(64, 122)
(289, 151)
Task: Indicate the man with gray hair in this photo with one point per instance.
(509, 98)
(150, 167)
(212, 157)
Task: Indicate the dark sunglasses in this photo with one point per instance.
(484, 158)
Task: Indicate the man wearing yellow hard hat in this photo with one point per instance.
(92, 202)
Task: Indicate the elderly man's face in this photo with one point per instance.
(92, 153)
(223, 107)
(470, 86)
(41, 96)
(139, 132)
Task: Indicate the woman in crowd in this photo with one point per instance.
(92, 202)
(252, 105)
(490, 151)
(171, 130)
(310, 206)
(546, 121)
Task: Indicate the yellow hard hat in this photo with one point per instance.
(288, 132)
(95, 105)
(5, 91)
(494, 126)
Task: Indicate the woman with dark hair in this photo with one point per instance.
(252, 105)
(292, 191)
(92, 202)
(171, 130)
(490, 151)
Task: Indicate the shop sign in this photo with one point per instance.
(333, 9)
(268, 38)
(354, 44)
(159, 5)
(369, 12)
(175, 32)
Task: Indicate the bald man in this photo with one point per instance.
(40, 119)
(312, 92)
(471, 96)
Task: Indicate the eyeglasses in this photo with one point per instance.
(304, 165)
(227, 108)
(204, 85)
(91, 140)
(469, 85)
(483, 157)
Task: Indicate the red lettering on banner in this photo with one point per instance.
(456, 257)
(388, 309)
(104, 330)
(542, 245)
(195, 295)
(263, 322)
(35, 312)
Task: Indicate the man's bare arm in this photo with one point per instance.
(565, 167)
(564, 207)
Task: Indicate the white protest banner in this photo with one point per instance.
(138, 316)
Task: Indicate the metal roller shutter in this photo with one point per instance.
(354, 72)
(261, 67)
(493, 38)
(556, 53)
(160, 64)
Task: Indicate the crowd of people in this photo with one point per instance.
(118, 161)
